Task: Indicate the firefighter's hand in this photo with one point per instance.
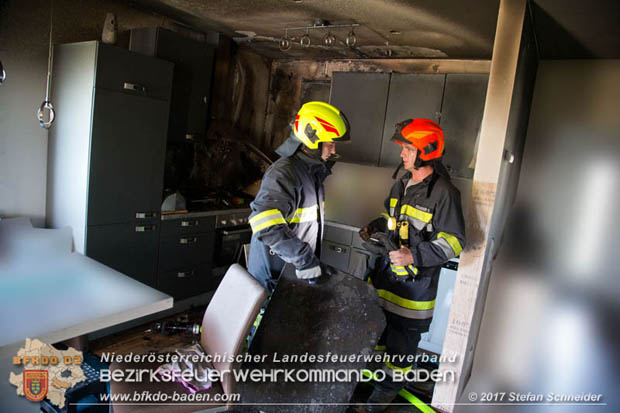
(309, 273)
(366, 232)
(401, 257)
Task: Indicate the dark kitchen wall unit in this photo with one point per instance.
(362, 97)
(191, 85)
(461, 115)
(410, 95)
(375, 102)
(106, 153)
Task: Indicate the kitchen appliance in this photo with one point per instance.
(232, 232)
(209, 200)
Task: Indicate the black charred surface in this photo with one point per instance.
(340, 316)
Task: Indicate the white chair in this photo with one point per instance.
(225, 326)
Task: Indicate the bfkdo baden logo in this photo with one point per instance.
(35, 384)
(48, 373)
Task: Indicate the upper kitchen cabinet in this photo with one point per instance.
(362, 97)
(410, 96)
(375, 102)
(191, 84)
(106, 151)
(461, 116)
(126, 157)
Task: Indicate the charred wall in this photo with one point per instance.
(293, 80)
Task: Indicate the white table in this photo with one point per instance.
(49, 293)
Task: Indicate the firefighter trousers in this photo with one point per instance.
(400, 340)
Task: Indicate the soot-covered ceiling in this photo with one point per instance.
(387, 28)
(453, 29)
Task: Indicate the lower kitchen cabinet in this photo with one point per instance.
(186, 256)
(173, 227)
(350, 260)
(358, 263)
(335, 255)
(186, 250)
(342, 249)
(130, 248)
(338, 235)
(185, 281)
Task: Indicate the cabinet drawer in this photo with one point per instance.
(358, 263)
(338, 235)
(336, 255)
(186, 251)
(185, 282)
(128, 248)
(129, 72)
(187, 226)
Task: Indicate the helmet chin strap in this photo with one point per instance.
(318, 153)
(333, 157)
(419, 163)
(400, 165)
(313, 153)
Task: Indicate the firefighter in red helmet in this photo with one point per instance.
(424, 224)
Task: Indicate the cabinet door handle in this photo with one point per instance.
(135, 87)
(185, 274)
(145, 228)
(190, 223)
(145, 215)
(239, 231)
(186, 241)
(338, 250)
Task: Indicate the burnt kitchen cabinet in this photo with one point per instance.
(191, 84)
(106, 153)
(461, 116)
(410, 95)
(375, 102)
(362, 97)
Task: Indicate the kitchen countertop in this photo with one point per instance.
(199, 214)
(342, 226)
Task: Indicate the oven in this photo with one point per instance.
(232, 232)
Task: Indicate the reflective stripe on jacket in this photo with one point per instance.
(430, 223)
(287, 217)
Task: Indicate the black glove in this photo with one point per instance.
(380, 243)
(366, 232)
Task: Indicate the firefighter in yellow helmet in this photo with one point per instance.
(287, 215)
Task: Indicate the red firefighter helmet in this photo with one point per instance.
(424, 134)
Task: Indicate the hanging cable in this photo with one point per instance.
(2, 74)
(46, 113)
